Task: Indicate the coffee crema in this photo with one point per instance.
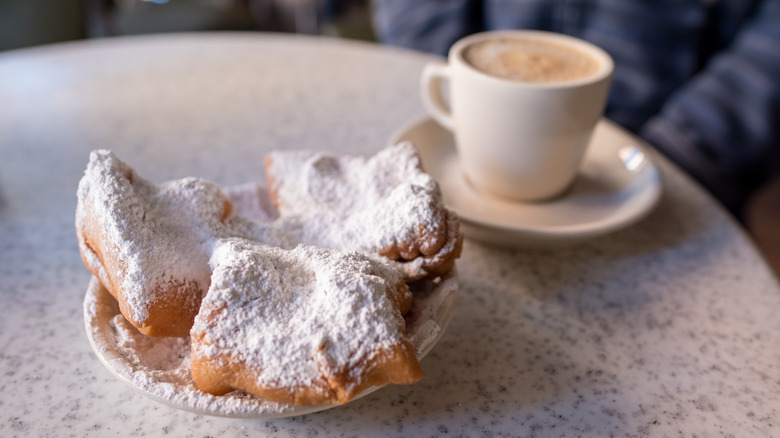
(530, 60)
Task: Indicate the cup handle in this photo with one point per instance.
(430, 90)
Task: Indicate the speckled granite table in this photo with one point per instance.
(668, 328)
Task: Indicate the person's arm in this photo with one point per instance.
(427, 25)
(723, 126)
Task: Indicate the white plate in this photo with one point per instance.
(160, 368)
(618, 184)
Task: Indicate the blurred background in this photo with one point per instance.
(25, 23)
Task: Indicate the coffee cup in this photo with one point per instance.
(522, 106)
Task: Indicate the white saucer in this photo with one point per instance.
(617, 185)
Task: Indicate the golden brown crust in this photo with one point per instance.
(444, 260)
(223, 374)
(273, 193)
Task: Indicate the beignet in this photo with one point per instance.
(385, 204)
(302, 326)
(149, 245)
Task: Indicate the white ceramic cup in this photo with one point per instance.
(519, 140)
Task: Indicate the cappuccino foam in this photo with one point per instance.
(530, 60)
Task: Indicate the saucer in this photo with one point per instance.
(618, 185)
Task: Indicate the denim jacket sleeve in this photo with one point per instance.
(427, 25)
(723, 125)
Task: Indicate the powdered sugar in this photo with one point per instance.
(295, 314)
(367, 204)
(162, 235)
(251, 201)
(133, 213)
(163, 354)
